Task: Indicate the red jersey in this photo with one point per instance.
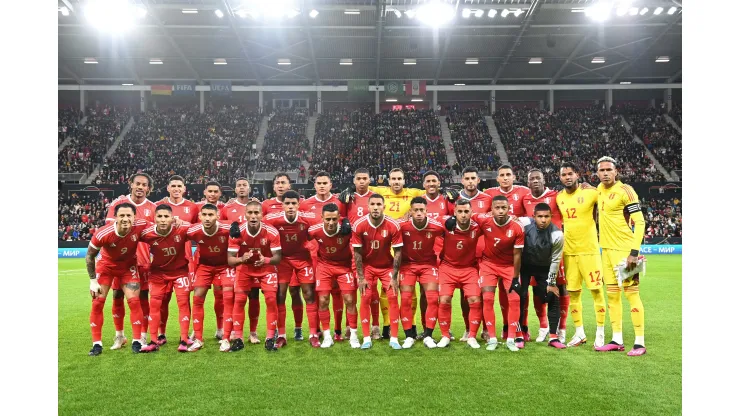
(271, 206)
(144, 211)
(214, 248)
(234, 211)
(293, 235)
(359, 207)
(417, 242)
(117, 253)
(515, 196)
(315, 205)
(220, 205)
(186, 210)
(266, 240)
(376, 242)
(332, 249)
(438, 207)
(480, 203)
(548, 197)
(168, 251)
(501, 240)
(459, 246)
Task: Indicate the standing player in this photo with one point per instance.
(618, 206)
(419, 263)
(141, 186)
(235, 211)
(315, 204)
(293, 228)
(373, 236)
(183, 210)
(256, 246)
(458, 270)
(169, 271)
(581, 256)
(212, 268)
(334, 267)
(280, 185)
(116, 242)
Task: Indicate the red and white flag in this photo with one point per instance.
(416, 87)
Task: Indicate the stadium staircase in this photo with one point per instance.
(261, 133)
(673, 123)
(668, 176)
(94, 174)
(447, 140)
(69, 139)
(497, 140)
(310, 133)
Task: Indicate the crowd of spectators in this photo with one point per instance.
(286, 142)
(536, 138)
(92, 141)
(67, 119)
(662, 217)
(80, 214)
(216, 145)
(659, 136)
(408, 139)
(471, 139)
(675, 114)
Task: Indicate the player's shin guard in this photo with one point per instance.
(312, 315)
(325, 318)
(240, 301)
(164, 313)
(96, 319)
(393, 312)
(513, 314)
(137, 317)
(636, 310)
(564, 306)
(218, 308)
(281, 319)
(375, 308)
(119, 313)
(476, 312)
(541, 309)
(489, 299)
(365, 301)
(430, 316)
(272, 313)
(407, 317)
(615, 307)
(228, 311)
(337, 304)
(198, 316)
(553, 312)
(445, 317)
(599, 306)
(183, 315)
(384, 304)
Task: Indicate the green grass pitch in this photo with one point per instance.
(302, 380)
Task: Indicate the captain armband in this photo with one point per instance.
(634, 207)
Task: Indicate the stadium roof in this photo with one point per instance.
(377, 41)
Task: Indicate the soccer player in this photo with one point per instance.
(618, 206)
(419, 263)
(141, 185)
(334, 267)
(458, 270)
(500, 266)
(212, 268)
(117, 243)
(315, 204)
(183, 210)
(280, 185)
(543, 250)
(256, 246)
(169, 271)
(581, 257)
(373, 236)
(235, 211)
(293, 227)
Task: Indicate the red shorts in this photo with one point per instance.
(166, 283)
(267, 282)
(206, 275)
(422, 273)
(465, 278)
(117, 278)
(491, 273)
(327, 274)
(295, 272)
(373, 274)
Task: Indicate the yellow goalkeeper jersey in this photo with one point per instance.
(578, 221)
(397, 205)
(618, 207)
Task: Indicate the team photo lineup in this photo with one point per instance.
(354, 258)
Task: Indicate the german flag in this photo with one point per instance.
(161, 89)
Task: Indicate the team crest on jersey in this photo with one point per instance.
(133, 238)
(516, 197)
(472, 235)
(442, 205)
(177, 238)
(547, 200)
(263, 241)
(509, 233)
(580, 199)
(480, 204)
(222, 239)
(187, 210)
(429, 235)
(611, 195)
(301, 227)
(339, 241)
(146, 212)
(385, 233)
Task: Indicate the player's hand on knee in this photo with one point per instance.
(234, 231)
(95, 289)
(346, 227)
(450, 223)
(516, 286)
(554, 290)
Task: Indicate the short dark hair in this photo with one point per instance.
(280, 175)
(322, 173)
(332, 207)
(377, 196)
(535, 170)
(253, 203)
(241, 178)
(213, 183)
(124, 205)
(291, 195)
(176, 178)
(462, 201)
(146, 175)
(362, 170)
(505, 167)
(397, 170)
(209, 206)
(542, 207)
(431, 173)
(470, 169)
(163, 207)
(418, 200)
(569, 165)
(500, 198)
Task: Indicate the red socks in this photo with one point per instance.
(272, 312)
(489, 299)
(164, 313)
(407, 318)
(183, 309)
(298, 314)
(119, 313)
(432, 307)
(137, 317)
(365, 307)
(313, 318)
(375, 308)
(218, 308)
(352, 320)
(513, 315)
(198, 316)
(564, 305)
(254, 312)
(465, 311)
(240, 301)
(393, 311)
(541, 312)
(325, 318)
(228, 310)
(476, 311)
(337, 304)
(445, 316)
(281, 319)
(96, 319)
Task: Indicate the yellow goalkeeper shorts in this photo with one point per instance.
(610, 258)
(583, 268)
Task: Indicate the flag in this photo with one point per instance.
(221, 88)
(161, 89)
(393, 88)
(416, 87)
(358, 90)
(184, 89)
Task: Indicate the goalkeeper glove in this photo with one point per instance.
(345, 228)
(451, 194)
(516, 286)
(234, 231)
(347, 195)
(450, 223)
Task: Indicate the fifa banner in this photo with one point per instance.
(416, 87)
(221, 88)
(161, 89)
(358, 90)
(80, 253)
(393, 88)
(184, 89)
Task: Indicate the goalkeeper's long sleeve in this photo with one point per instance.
(639, 231)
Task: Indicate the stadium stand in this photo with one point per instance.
(67, 120)
(80, 214)
(93, 140)
(657, 134)
(286, 143)
(216, 145)
(471, 139)
(676, 114)
(662, 217)
(536, 138)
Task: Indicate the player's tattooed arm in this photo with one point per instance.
(90, 261)
(277, 255)
(233, 259)
(396, 268)
(360, 271)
